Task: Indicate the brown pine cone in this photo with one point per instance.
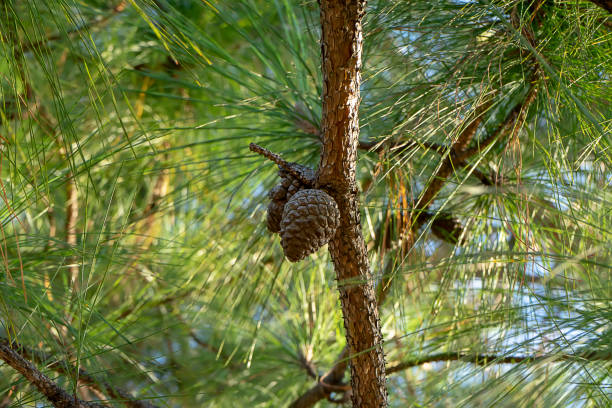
(293, 184)
(275, 215)
(278, 192)
(310, 219)
(282, 192)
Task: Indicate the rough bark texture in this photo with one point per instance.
(341, 44)
(58, 397)
(24, 358)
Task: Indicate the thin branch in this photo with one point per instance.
(331, 382)
(458, 157)
(58, 397)
(488, 359)
(447, 166)
(308, 365)
(72, 214)
(62, 367)
(466, 136)
(325, 385)
(512, 122)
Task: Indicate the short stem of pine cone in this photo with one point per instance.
(289, 167)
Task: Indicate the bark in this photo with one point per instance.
(58, 397)
(23, 358)
(341, 45)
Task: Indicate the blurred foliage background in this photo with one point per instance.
(133, 242)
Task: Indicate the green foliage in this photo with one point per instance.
(147, 108)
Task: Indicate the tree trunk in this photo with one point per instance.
(341, 44)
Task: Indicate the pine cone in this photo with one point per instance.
(310, 219)
(275, 215)
(278, 192)
(282, 192)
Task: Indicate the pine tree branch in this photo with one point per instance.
(489, 359)
(58, 397)
(448, 164)
(459, 156)
(83, 376)
(513, 122)
(308, 365)
(331, 381)
(325, 385)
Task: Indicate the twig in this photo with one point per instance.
(331, 382)
(322, 388)
(309, 366)
(466, 136)
(72, 214)
(511, 122)
(447, 166)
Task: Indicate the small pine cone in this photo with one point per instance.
(310, 219)
(275, 215)
(278, 192)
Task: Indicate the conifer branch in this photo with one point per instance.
(22, 356)
(58, 396)
(490, 359)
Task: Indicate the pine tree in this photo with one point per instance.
(467, 149)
